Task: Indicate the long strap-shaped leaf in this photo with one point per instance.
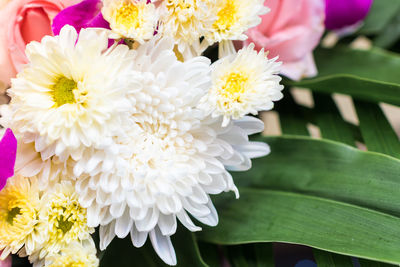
(326, 259)
(319, 168)
(275, 216)
(368, 75)
(327, 169)
(377, 132)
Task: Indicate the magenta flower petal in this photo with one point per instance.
(83, 15)
(8, 153)
(343, 13)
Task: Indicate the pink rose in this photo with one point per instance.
(291, 30)
(23, 21)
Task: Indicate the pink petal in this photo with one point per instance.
(83, 15)
(8, 153)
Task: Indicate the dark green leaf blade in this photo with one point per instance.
(326, 259)
(274, 216)
(330, 122)
(381, 13)
(327, 169)
(377, 132)
(369, 75)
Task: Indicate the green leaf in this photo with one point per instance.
(332, 126)
(327, 169)
(381, 13)
(264, 254)
(275, 216)
(368, 263)
(121, 252)
(330, 122)
(369, 75)
(210, 253)
(291, 124)
(251, 255)
(377, 132)
(390, 34)
(326, 259)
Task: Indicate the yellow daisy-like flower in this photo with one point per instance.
(134, 19)
(65, 219)
(75, 255)
(19, 218)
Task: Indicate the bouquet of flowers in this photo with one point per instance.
(126, 116)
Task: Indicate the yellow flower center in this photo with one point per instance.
(234, 86)
(63, 91)
(127, 16)
(64, 224)
(12, 214)
(67, 219)
(227, 16)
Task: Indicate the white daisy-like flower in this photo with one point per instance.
(234, 18)
(243, 84)
(186, 21)
(133, 19)
(20, 225)
(64, 219)
(72, 94)
(174, 155)
(76, 254)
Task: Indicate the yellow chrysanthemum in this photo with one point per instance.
(19, 218)
(186, 21)
(234, 18)
(65, 219)
(134, 19)
(75, 255)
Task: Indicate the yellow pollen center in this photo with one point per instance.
(64, 224)
(128, 16)
(12, 214)
(227, 16)
(234, 87)
(63, 91)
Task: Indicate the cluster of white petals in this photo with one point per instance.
(139, 137)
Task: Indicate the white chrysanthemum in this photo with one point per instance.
(243, 84)
(19, 216)
(175, 155)
(186, 21)
(76, 254)
(64, 218)
(71, 96)
(134, 19)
